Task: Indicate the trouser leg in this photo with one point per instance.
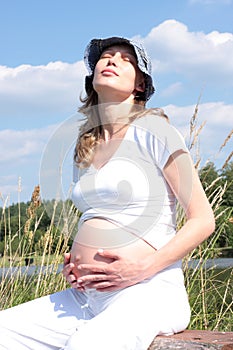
(44, 323)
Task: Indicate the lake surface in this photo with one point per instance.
(221, 263)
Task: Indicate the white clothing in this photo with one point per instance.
(130, 189)
(124, 320)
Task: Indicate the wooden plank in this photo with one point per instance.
(210, 337)
(194, 340)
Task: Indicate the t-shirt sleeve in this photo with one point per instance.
(165, 140)
(172, 142)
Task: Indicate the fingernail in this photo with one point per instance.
(100, 250)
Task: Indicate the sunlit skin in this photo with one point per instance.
(117, 79)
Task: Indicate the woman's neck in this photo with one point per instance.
(113, 115)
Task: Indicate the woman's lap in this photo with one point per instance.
(128, 319)
(135, 317)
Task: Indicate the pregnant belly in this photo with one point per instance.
(97, 234)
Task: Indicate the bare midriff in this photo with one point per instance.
(97, 234)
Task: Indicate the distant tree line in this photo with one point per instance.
(26, 224)
(32, 216)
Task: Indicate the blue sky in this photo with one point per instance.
(41, 71)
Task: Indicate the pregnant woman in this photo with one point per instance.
(130, 168)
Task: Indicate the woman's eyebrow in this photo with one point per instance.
(118, 50)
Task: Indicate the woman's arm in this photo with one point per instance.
(184, 181)
(182, 177)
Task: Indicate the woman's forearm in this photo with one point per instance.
(192, 234)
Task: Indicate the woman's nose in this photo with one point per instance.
(111, 62)
(114, 59)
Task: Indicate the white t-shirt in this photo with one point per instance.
(130, 189)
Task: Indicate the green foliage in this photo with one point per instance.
(210, 296)
(218, 186)
(227, 174)
(210, 290)
(31, 229)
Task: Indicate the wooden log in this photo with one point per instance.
(194, 340)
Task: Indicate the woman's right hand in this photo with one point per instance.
(70, 272)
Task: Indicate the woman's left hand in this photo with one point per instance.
(120, 273)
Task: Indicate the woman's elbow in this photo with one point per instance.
(209, 225)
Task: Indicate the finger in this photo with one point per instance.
(108, 254)
(72, 280)
(66, 258)
(95, 268)
(67, 270)
(77, 286)
(101, 285)
(95, 278)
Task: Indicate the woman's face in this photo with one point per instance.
(117, 76)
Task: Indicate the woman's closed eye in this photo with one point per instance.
(106, 55)
(125, 57)
(129, 58)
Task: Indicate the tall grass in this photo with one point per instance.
(17, 286)
(210, 290)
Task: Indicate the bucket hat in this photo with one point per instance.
(94, 50)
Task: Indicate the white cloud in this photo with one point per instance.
(219, 38)
(34, 90)
(20, 154)
(219, 120)
(215, 113)
(218, 113)
(34, 78)
(204, 57)
(19, 146)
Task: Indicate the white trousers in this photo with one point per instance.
(124, 320)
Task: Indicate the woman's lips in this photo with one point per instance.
(109, 71)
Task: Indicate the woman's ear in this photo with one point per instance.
(140, 83)
(141, 87)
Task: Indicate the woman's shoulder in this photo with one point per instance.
(153, 123)
(157, 126)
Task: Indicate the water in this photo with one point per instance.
(221, 263)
